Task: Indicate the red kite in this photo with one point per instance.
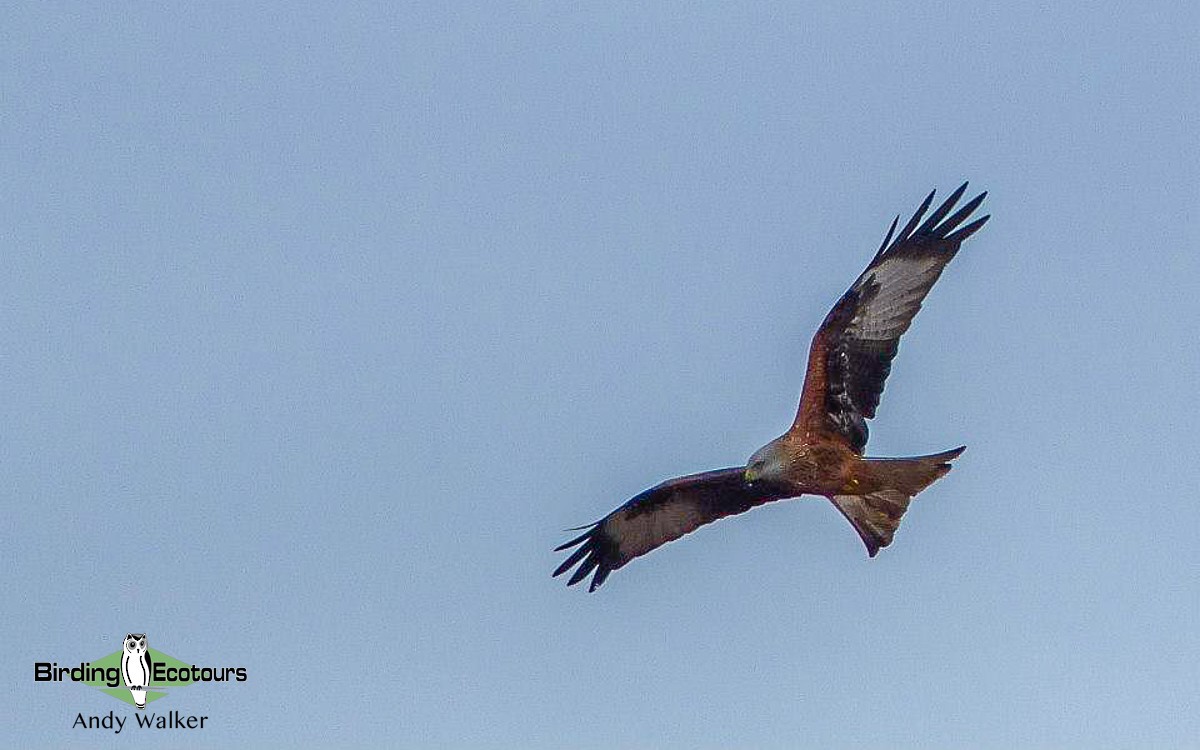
(822, 452)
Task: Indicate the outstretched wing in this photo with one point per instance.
(659, 515)
(851, 354)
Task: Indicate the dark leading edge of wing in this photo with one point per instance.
(657, 516)
(853, 350)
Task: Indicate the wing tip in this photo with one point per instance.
(961, 234)
(907, 231)
(888, 237)
(930, 227)
(581, 538)
(598, 579)
(589, 557)
(937, 225)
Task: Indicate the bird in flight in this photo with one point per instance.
(822, 453)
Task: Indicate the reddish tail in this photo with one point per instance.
(889, 484)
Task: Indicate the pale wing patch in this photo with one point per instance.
(639, 532)
(891, 294)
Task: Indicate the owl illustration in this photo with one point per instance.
(136, 667)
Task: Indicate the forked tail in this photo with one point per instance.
(890, 484)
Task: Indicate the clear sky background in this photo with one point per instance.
(319, 325)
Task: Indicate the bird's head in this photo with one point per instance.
(767, 464)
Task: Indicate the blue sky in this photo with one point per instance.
(318, 325)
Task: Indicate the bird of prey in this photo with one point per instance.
(822, 453)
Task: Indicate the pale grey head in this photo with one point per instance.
(769, 463)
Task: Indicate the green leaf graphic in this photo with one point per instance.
(113, 661)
